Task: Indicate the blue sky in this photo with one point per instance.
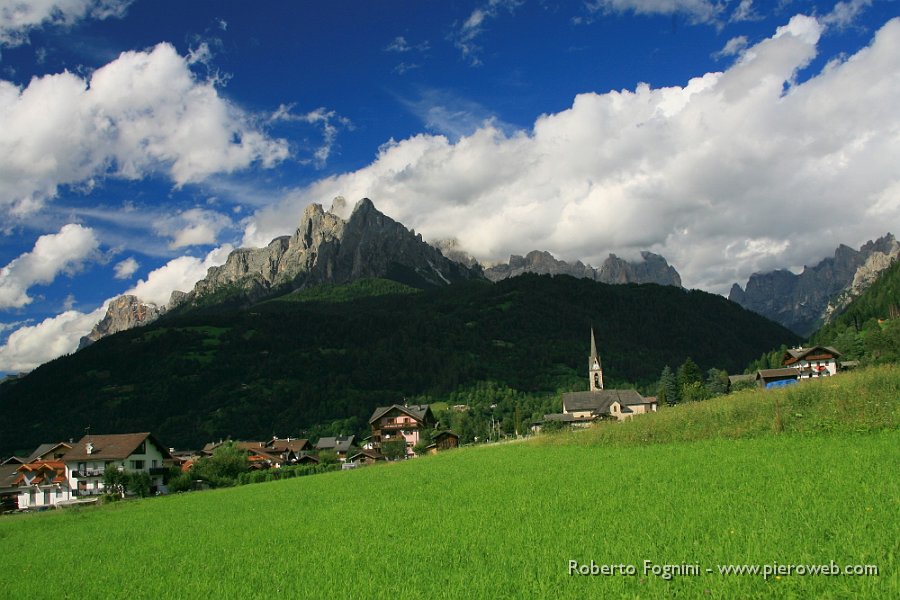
(140, 141)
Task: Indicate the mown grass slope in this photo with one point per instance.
(503, 521)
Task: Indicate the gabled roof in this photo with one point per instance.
(417, 412)
(599, 401)
(111, 447)
(777, 373)
(442, 434)
(795, 354)
(56, 451)
(338, 444)
(8, 474)
(250, 445)
(281, 445)
(368, 454)
(45, 472)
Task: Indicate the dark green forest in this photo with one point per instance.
(319, 361)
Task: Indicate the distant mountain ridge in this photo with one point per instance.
(652, 269)
(328, 249)
(804, 302)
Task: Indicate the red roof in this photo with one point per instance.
(46, 471)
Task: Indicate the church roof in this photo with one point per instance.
(599, 401)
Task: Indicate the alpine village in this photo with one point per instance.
(354, 343)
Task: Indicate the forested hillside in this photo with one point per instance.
(869, 328)
(335, 353)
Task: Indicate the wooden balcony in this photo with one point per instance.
(397, 426)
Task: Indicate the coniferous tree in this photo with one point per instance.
(688, 374)
(667, 390)
(716, 382)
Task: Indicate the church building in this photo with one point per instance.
(599, 402)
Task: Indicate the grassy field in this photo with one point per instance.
(737, 484)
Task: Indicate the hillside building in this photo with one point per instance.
(579, 409)
(400, 422)
(89, 458)
(42, 483)
(816, 361)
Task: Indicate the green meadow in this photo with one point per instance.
(802, 476)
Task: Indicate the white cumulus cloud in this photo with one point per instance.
(193, 227)
(52, 254)
(126, 268)
(178, 274)
(33, 345)
(733, 172)
(18, 17)
(143, 113)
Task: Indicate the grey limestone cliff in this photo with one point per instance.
(803, 302)
(328, 249)
(122, 313)
(651, 269)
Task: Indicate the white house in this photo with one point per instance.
(89, 458)
(817, 361)
(42, 483)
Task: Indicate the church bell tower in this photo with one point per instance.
(595, 370)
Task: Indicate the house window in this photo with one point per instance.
(142, 449)
(137, 465)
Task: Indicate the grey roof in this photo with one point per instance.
(338, 444)
(43, 449)
(8, 474)
(599, 401)
(773, 373)
(417, 412)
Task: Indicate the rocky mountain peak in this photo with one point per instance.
(804, 302)
(328, 249)
(125, 312)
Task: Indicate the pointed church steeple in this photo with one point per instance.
(595, 370)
